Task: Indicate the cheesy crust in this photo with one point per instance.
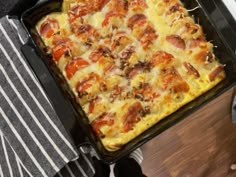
(130, 63)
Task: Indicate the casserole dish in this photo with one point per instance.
(65, 105)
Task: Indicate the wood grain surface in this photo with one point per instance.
(202, 145)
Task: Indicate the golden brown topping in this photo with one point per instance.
(86, 83)
(83, 8)
(176, 41)
(60, 40)
(204, 56)
(120, 41)
(132, 116)
(161, 58)
(116, 92)
(74, 66)
(168, 75)
(180, 87)
(92, 104)
(119, 6)
(144, 92)
(130, 72)
(124, 60)
(48, 27)
(137, 5)
(137, 19)
(78, 10)
(147, 36)
(109, 15)
(197, 43)
(83, 29)
(86, 32)
(210, 57)
(175, 8)
(215, 72)
(172, 79)
(98, 4)
(126, 54)
(99, 53)
(146, 110)
(191, 69)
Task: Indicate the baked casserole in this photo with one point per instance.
(130, 63)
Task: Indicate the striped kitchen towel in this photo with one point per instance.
(33, 141)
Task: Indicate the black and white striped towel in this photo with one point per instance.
(33, 141)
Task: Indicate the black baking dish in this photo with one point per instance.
(63, 100)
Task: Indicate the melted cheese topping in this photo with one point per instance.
(130, 65)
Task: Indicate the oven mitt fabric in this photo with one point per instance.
(33, 140)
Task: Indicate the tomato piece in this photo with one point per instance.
(74, 66)
(47, 27)
(62, 46)
(44, 28)
(102, 120)
(49, 33)
(58, 53)
(131, 116)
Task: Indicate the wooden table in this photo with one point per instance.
(202, 145)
